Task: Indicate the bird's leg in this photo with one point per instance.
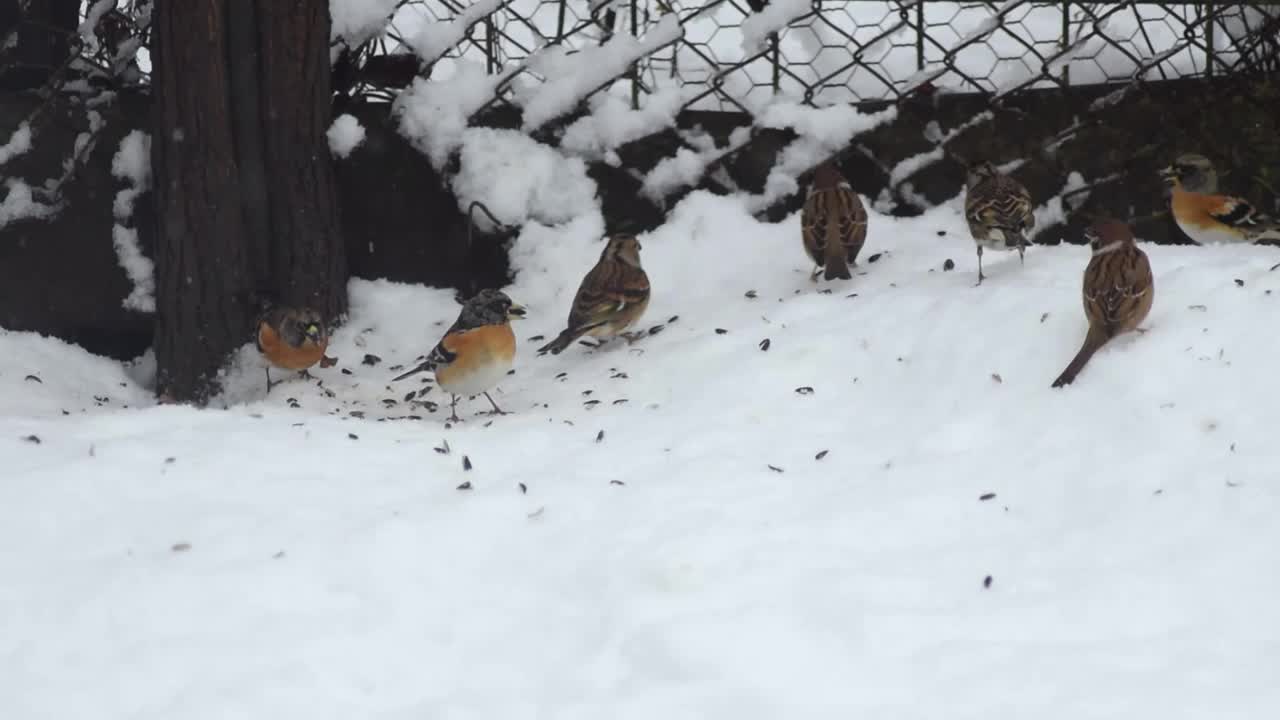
(1022, 248)
(496, 410)
(267, 370)
(981, 277)
(813, 276)
(304, 374)
(453, 408)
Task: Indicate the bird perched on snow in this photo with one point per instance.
(833, 223)
(999, 211)
(476, 351)
(1207, 217)
(1118, 290)
(611, 298)
(291, 338)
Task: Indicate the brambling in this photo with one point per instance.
(998, 209)
(477, 351)
(1207, 217)
(833, 224)
(291, 338)
(1117, 292)
(611, 298)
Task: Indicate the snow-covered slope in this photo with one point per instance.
(677, 529)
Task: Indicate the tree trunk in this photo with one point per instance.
(246, 192)
(309, 260)
(202, 314)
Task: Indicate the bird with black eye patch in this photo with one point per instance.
(291, 339)
(611, 299)
(998, 210)
(1206, 216)
(476, 352)
(833, 224)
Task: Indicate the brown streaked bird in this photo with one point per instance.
(1118, 290)
(476, 352)
(998, 209)
(611, 298)
(1207, 217)
(291, 338)
(833, 224)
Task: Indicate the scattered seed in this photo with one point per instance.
(721, 331)
(804, 390)
(170, 460)
(591, 403)
(776, 469)
(278, 555)
(412, 394)
(821, 454)
(986, 582)
(874, 257)
(619, 376)
(536, 513)
(1201, 308)
(1044, 317)
(356, 413)
(512, 371)
(987, 496)
(616, 482)
(29, 378)
(751, 295)
(620, 401)
(353, 436)
(942, 233)
(524, 489)
(537, 338)
(996, 377)
(444, 447)
(1233, 484)
(764, 344)
(1159, 491)
(32, 439)
(948, 265)
(562, 376)
(466, 463)
(181, 547)
(370, 359)
(672, 319)
(657, 329)
(600, 436)
(465, 486)
(1239, 282)
(345, 371)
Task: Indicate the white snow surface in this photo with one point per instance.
(132, 163)
(272, 561)
(345, 134)
(570, 76)
(435, 39)
(358, 20)
(612, 123)
(19, 143)
(520, 179)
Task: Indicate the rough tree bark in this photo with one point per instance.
(309, 261)
(202, 280)
(247, 194)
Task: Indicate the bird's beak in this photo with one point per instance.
(1168, 174)
(516, 311)
(313, 331)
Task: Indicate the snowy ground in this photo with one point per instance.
(638, 557)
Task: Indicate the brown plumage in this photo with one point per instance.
(1207, 217)
(291, 338)
(833, 223)
(1118, 290)
(611, 298)
(998, 209)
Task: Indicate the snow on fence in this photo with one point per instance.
(740, 54)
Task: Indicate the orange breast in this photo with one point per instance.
(283, 355)
(479, 351)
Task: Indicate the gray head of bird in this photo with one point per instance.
(493, 306)
(623, 247)
(979, 173)
(1193, 172)
(301, 326)
(1107, 234)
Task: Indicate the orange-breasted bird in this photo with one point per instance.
(477, 351)
(291, 338)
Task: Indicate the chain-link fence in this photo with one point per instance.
(736, 54)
